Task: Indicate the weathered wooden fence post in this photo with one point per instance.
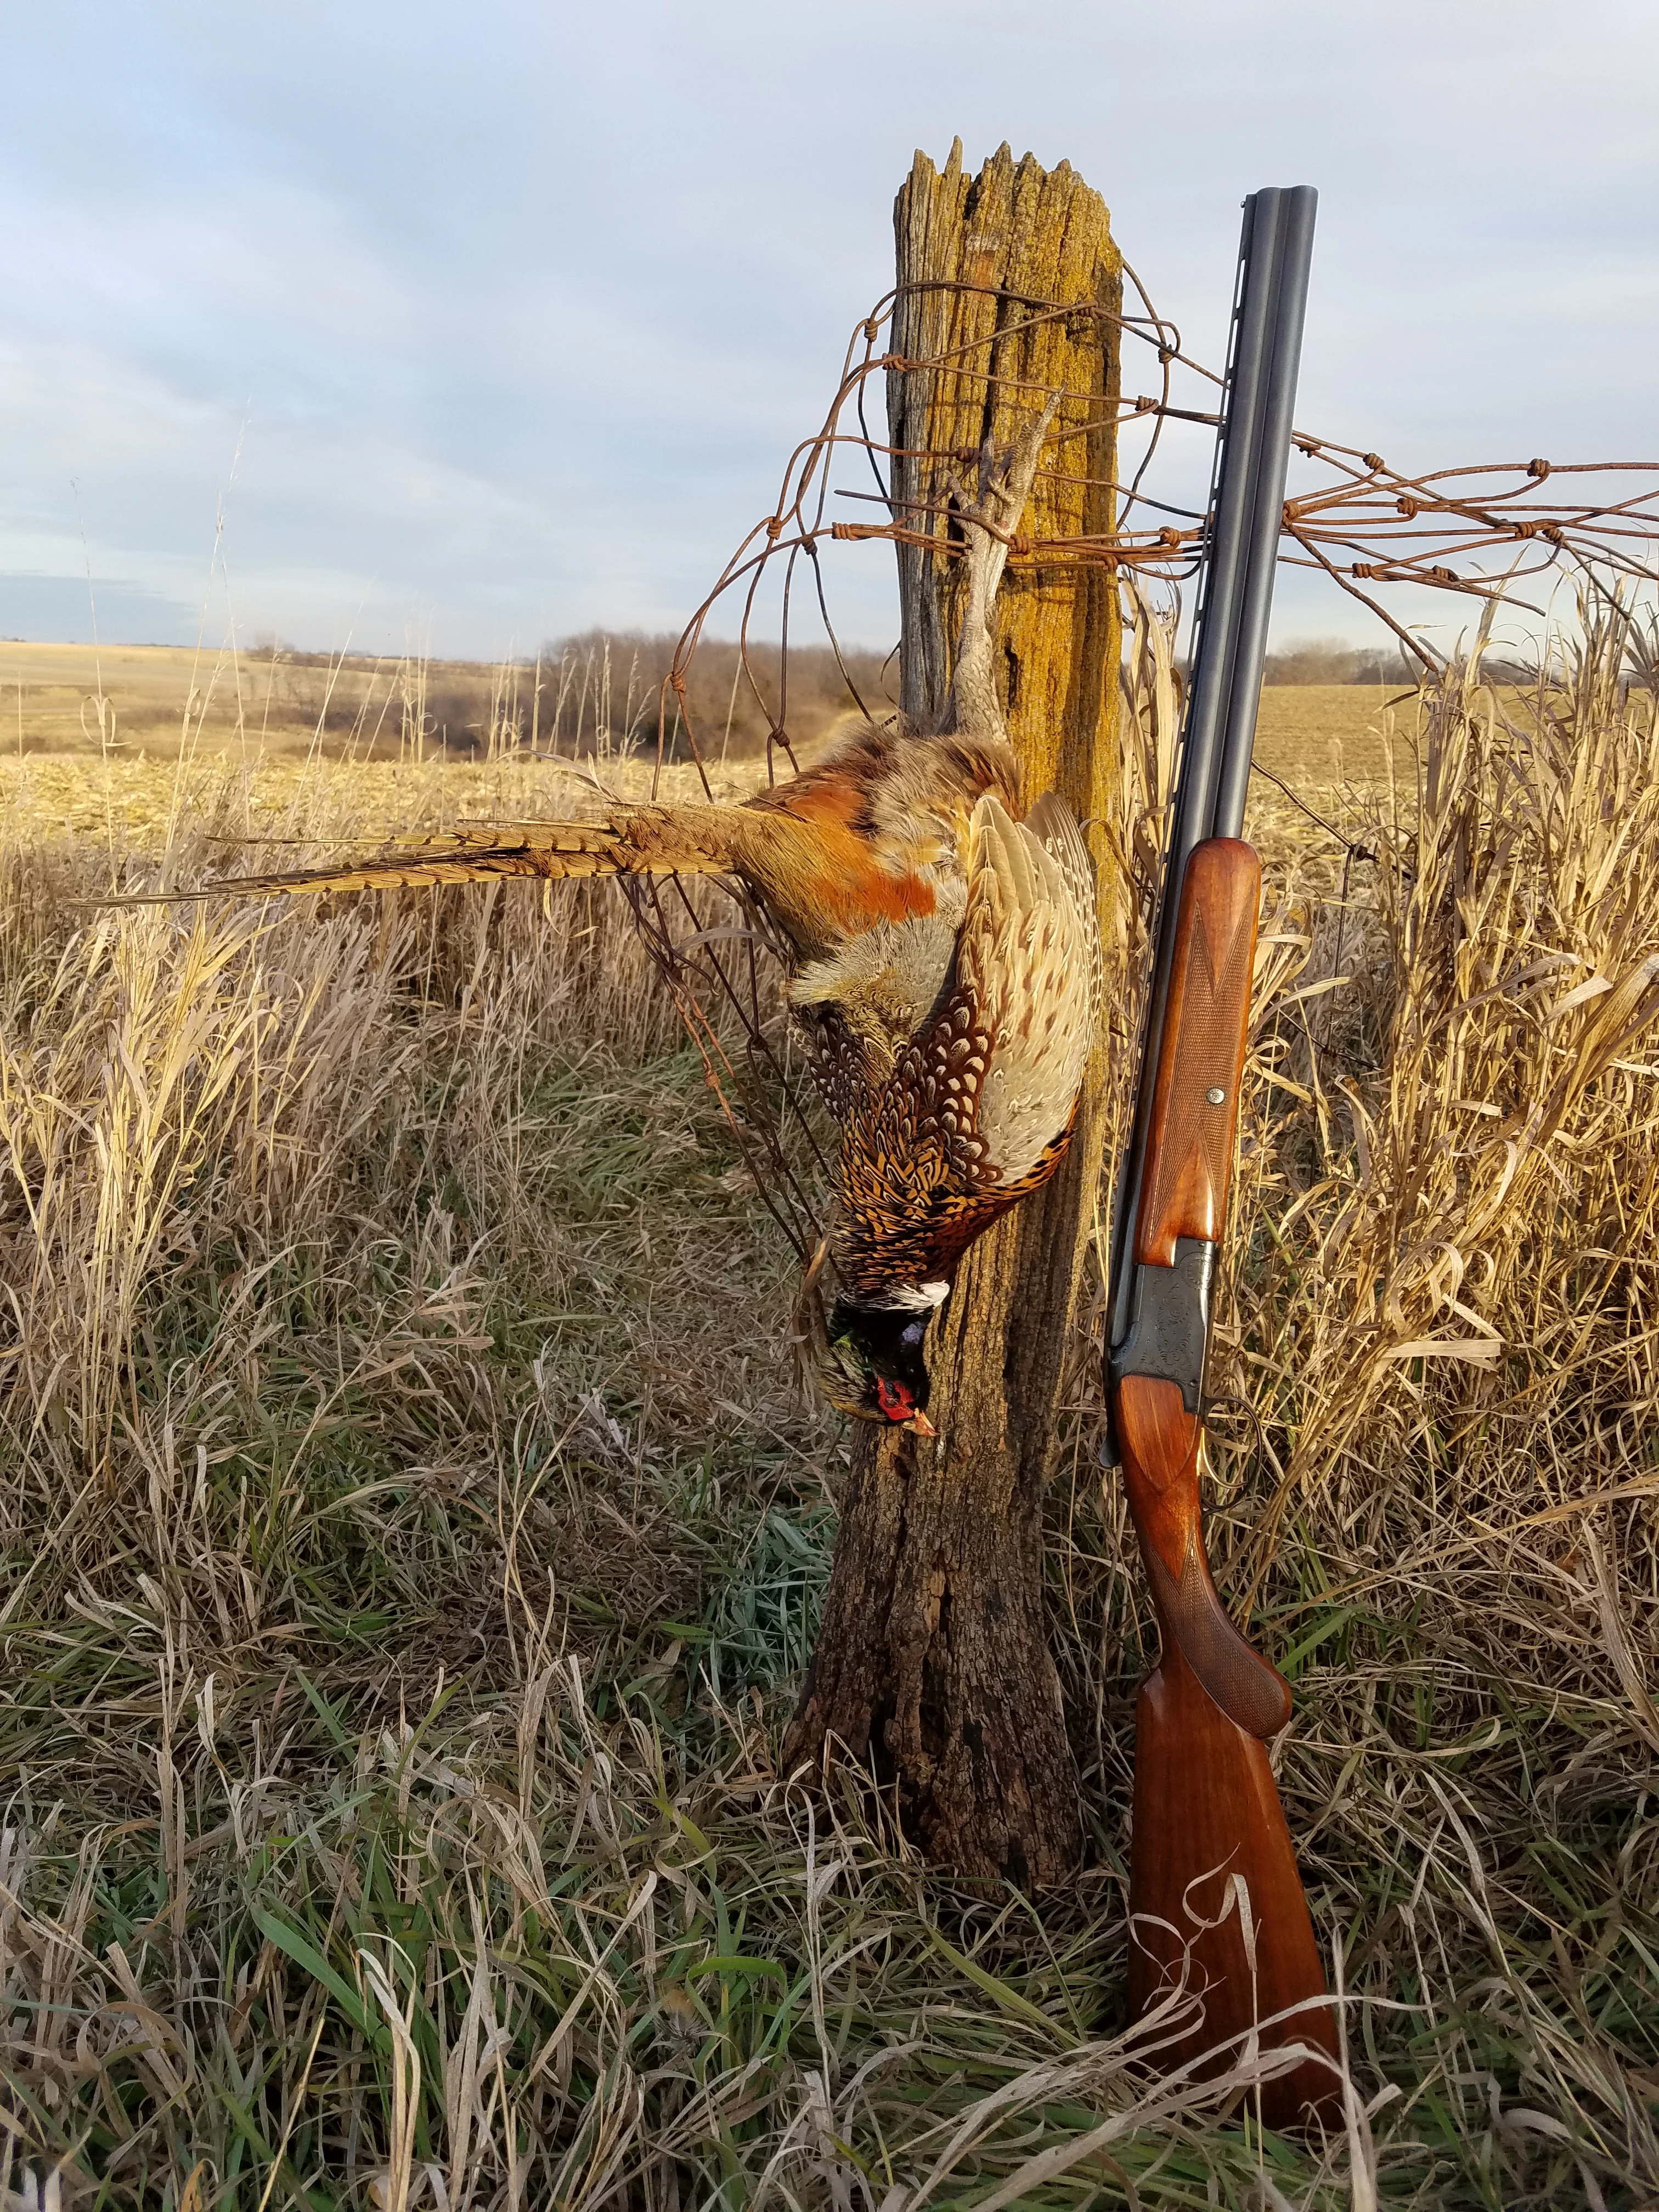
(933, 1662)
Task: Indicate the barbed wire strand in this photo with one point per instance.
(1368, 525)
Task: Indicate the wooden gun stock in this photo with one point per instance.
(1205, 1808)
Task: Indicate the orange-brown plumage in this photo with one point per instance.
(871, 835)
(954, 1071)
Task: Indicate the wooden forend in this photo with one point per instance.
(1189, 1140)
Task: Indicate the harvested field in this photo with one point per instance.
(259, 708)
(596, 694)
(414, 1538)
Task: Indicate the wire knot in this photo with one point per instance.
(1538, 470)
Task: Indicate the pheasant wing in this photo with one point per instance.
(1029, 954)
(977, 1108)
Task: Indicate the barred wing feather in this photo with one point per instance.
(1029, 955)
(977, 1108)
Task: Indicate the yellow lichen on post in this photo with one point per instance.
(981, 260)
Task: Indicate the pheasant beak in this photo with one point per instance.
(920, 1425)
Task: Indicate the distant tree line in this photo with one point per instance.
(603, 689)
(598, 692)
(1330, 660)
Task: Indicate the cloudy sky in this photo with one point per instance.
(466, 327)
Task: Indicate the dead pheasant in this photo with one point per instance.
(950, 1047)
(945, 972)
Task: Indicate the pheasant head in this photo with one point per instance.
(874, 1368)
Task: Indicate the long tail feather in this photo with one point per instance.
(644, 841)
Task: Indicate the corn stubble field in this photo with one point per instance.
(414, 1538)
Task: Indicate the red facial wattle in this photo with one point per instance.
(895, 1399)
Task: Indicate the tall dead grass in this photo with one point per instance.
(599, 693)
(412, 1548)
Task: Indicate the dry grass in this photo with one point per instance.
(412, 1546)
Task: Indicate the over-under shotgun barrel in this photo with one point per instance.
(1229, 629)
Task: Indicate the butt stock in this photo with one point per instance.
(1208, 1824)
(1159, 1440)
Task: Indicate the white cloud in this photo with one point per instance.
(516, 314)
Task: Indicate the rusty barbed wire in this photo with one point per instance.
(1368, 525)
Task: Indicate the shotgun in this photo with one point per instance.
(1207, 1812)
